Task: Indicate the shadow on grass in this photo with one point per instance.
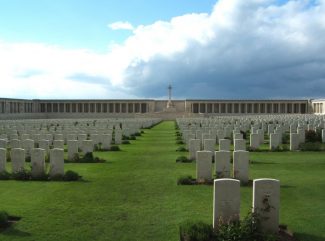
(287, 186)
(12, 231)
(308, 237)
(263, 162)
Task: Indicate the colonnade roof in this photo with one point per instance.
(176, 100)
(247, 100)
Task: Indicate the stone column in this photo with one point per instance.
(266, 203)
(226, 201)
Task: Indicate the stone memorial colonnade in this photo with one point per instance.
(36, 108)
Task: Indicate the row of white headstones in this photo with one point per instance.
(222, 165)
(22, 148)
(265, 207)
(210, 130)
(226, 197)
(226, 204)
(38, 167)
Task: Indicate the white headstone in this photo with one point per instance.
(241, 166)
(194, 146)
(106, 141)
(118, 136)
(17, 156)
(56, 162)
(81, 138)
(254, 141)
(274, 141)
(15, 143)
(58, 137)
(238, 136)
(87, 146)
(294, 141)
(226, 201)
(266, 203)
(72, 148)
(209, 145)
(3, 159)
(37, 162)
(58, 144)
(28, 145)
(222, 164)
(224, 145)
(239, 145)
(3, 143)
(302, 136)
(44, 144)
(203, 165)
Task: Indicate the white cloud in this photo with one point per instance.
(121, 26)
(234, 48)
(32, 70)
(242, 49)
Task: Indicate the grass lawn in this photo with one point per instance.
(134, 196)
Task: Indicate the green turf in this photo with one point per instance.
(134, 195)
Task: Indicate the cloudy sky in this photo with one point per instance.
(226, 49)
